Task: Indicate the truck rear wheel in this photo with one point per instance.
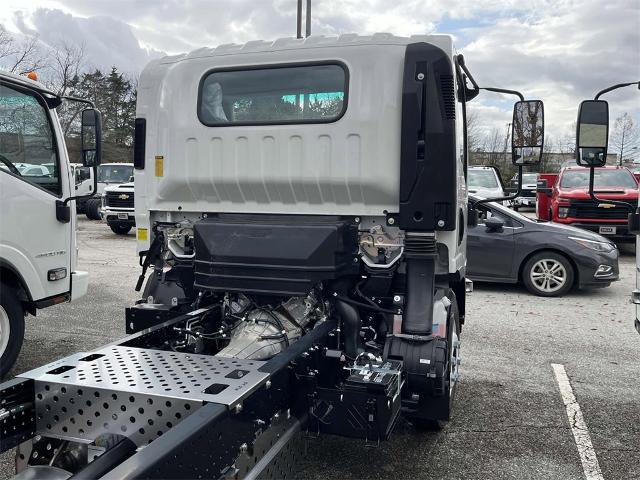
(120, 229)
(93, 209)
(443, 404)
(11, 328)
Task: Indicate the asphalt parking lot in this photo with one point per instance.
(510, 419)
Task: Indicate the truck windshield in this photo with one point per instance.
(602, 178)
(27, 141)
(482, 179)
(114, 173)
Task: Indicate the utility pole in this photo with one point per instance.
(307, 20)
(622, 146)
(299, 20)
(506, 144)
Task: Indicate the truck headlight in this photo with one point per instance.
(563, 212)
(594, 244)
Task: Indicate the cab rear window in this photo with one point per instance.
(314, 93)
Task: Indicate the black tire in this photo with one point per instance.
(93, 209)
(12, 315)
(547, 268)
(445, 403)
(120, 229)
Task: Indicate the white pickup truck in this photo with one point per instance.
(117, 208)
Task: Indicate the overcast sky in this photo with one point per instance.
(557, 50)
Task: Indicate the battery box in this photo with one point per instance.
(366, 405)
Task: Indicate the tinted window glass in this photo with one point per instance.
(27, 141)
(482, 178)
(301, 94)
(115, 173)
(602, 178)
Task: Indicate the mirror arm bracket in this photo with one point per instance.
(615, 87)
(504, 90)
(80, 100)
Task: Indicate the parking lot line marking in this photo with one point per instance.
(590, 464)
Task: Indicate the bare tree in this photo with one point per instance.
(20, 56)
(67, 64)
(474, 132)
(625, 138)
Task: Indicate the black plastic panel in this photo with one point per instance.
(271, 254)
(428, 176)
(139, 141)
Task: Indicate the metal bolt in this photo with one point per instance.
(238, 408)
(397, 298)
(355, 259)
(244, 448)
(421, 76)
(441, 223)
(276, 416)
(357, 219)
(268, 384)
(391, 220)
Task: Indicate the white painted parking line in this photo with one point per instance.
(579, 428)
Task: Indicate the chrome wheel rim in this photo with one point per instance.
(548, 275)
(5, 330)
(454, 360)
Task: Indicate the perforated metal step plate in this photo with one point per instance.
(198, 378)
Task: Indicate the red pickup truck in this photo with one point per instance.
(564, 198)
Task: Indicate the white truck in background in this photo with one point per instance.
(108, 174)
(38, 254)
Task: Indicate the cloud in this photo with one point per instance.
(562, 54)
(561, 51)
(105, 40)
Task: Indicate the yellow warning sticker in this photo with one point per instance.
(143, 234)
(159, 166)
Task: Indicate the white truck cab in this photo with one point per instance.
(38, 256)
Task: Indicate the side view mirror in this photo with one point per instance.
(91, 137)
(493, 224)
(592, 133)
(527, 132)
